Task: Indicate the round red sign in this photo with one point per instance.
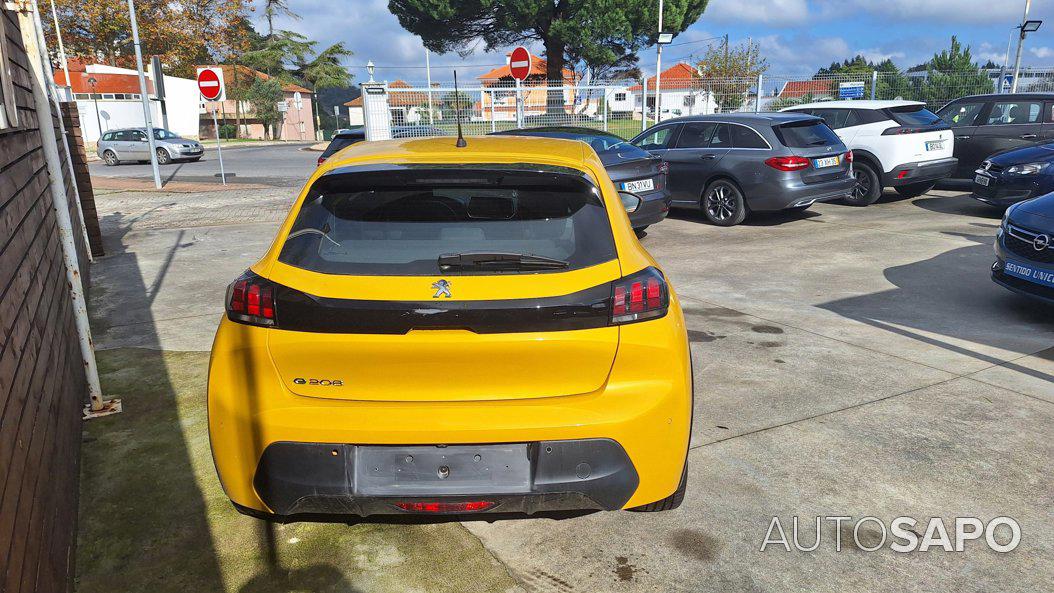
(209, 84)
(520, 63)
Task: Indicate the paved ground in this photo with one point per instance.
(283, 164)
(847, 362)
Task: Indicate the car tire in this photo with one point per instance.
(195, 159)
(868, 188)
(110, 158)
(914, 190)
(723, 203)
(672, 501)
(163, 158)
(640, 231)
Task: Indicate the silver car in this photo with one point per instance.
(131, 144)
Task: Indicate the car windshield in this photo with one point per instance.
(914, 115)
(806, 134)
(395, 222)
(162, 134)
(603, 144)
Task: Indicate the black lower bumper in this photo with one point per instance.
(329, 479)
(652, 210)
(920, 172)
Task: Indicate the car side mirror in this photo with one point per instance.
(629, 201)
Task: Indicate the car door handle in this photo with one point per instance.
(708, 157)
(1028, 136)
(962, 137)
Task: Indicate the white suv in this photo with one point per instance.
(895, 143)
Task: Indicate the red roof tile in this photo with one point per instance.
(679, 76)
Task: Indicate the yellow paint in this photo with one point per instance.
(630, 383)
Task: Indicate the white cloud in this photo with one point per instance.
(769, 12)
(876, 55)
(985, 12)
(1042, 52)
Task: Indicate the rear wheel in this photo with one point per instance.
(670, 502)
(912, 190)
(868, 185)
(110, 158)
(724, 204)
(640, 231)
(163, 158)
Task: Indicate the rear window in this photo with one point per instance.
(339, 143)
(806, 134)
(398, 222)
(603, 144)
(914, 115)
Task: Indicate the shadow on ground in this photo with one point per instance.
(153, 516)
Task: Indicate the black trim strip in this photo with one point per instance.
(585, 309)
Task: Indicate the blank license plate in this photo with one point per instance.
(831, 161)
(982, 180)
(441, 471)
(639, 185)
(935, 145)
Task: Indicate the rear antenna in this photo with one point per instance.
(457, 110)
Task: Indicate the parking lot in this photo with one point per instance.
(847, 362)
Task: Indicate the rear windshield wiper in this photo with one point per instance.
(484, 260)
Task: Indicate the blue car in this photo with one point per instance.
(1024, 249)
(1006, 178)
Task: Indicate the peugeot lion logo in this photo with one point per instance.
(1041, 242)
(442, 289)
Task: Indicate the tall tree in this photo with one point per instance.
(952, 73)
(276, 8)
(734, 70)
(597, 32)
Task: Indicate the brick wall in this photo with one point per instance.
(41, 375)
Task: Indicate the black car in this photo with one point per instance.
(1016, 175)
(1024, 249)
(987, 124)
(729, 166)
(635, 172)
(347, 137)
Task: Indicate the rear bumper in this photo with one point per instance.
(796, 194)
(653, 209)
(324, 479)
(920, 172)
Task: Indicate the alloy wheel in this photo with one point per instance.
(863, 184)
(720, 202)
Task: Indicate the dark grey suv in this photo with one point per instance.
(733, 164)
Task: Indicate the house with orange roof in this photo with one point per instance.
(685, 91)
(406, 106)
(298, 123)
(818, 90)
(498, 97)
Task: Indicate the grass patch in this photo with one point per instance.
(154, 518)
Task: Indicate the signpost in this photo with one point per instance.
(851, 90)
(298, 102)
(520, 68)
(211, 87)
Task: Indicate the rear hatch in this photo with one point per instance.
(632, 169)
(926, 136)
(813, 140)
(446, 284)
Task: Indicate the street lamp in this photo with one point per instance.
(1026, 27)
(95, 99)
(370, 68)
(663, 39)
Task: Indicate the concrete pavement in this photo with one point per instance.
(849, 361)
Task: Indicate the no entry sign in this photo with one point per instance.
(520, 63)
(210, 84)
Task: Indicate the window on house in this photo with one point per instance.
(620, 96)
(8, 108)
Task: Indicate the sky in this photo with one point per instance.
(796, 36)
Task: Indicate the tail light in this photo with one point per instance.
(664, 168)
(788, 163)
(471, 506)
(639, 297)
(849, 157)
(250, 300)
(321, 160)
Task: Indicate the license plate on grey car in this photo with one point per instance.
(426, 470)
(639, 185)
(830, 161)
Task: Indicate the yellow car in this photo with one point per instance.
(443, 329)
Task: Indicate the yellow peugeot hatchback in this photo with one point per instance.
(452, 330)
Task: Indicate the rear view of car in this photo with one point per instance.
(342, 140)
(452, 330)
(898, 144)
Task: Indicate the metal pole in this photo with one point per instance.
(146, 98)
(607, 91)
(493, 118)
(658, 73)
(62, 50)
(519, 106)
(46, 65)
(1006, 62)
(1020, 45)
(757, 96)
(874, 84)
(428, 74)
(219, 148)
(644, 105)
(36, 56)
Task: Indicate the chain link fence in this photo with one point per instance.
(626, 107)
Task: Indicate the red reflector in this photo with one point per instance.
(321, 159)
(902, 175)
(849, 157)
(445, 507)
(788, 163)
